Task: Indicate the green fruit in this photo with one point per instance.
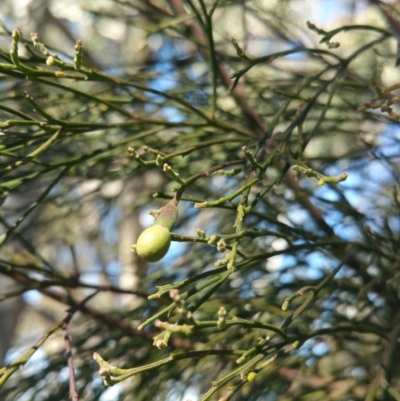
(167, 216)
(153, 243)
(251, 376)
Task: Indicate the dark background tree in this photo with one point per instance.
(276, 122)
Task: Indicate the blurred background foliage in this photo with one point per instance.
(157, 76)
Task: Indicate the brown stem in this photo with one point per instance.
(73, 393)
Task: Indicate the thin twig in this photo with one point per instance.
(73, 392)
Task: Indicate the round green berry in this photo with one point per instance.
(153, 243)
(251, 376)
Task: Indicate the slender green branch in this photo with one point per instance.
(229, 197)
(112, 375)
(11, 368)
(33, 154)
(78, 54)
(52, 58)
(211, 57)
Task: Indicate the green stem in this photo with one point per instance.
(211, 57)
(229, 197)
(112, 374)
(10, 369)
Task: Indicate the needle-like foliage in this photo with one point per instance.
(273, 126)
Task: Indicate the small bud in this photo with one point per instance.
(35, 38)
(200, 233)
(16, 35)
(159, 160)
(174, 295)
(221, 318)
(212, 240)
(161, 344)
(221, 245)
(251, 376)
